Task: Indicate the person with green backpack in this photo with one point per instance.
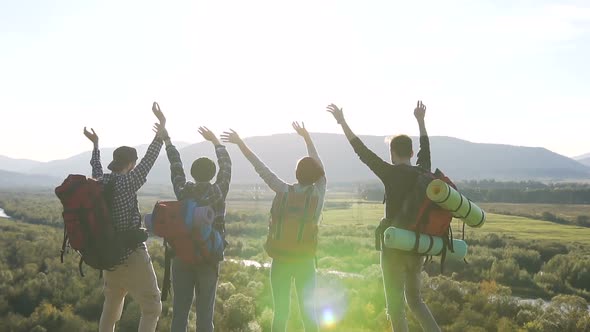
(293, 230)
(401, 269)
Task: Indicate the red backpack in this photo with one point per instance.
(190, 232)
(88, 228)
(421, 215)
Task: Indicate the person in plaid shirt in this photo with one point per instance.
(135, 274)
(200, 279)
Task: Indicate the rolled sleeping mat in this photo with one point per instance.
(397, 238)
(197, 215)
(450, 199)
(203, 215)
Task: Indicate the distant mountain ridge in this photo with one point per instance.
(580, 157)
(583, 159)
(460, 159)
(14, 179)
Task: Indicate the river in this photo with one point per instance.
(3, 214)
(256, 264)
(247, 262)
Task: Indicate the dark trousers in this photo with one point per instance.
(402, 283)
(304, 274)
(189, 281)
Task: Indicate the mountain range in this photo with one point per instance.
(459, 159)
(584, 159)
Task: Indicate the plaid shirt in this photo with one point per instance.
(203, 193)
(125, 210)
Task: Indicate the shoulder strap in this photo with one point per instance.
(109, 192)
(167, 261)
(64, 244)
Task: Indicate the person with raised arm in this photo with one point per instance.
(293, 229)
(401, 269)
(135, 273)
(199, 279)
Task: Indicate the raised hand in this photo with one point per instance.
(336, 112)
(231, 136)
(160, 131)
(300, 129)
(420, 111)
(91, 136)
(208, 135)
(158, 113)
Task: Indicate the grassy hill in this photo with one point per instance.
(509, 256)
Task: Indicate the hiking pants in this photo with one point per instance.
(136, 277)
(189, 281)
(402, 275)
(304, 274)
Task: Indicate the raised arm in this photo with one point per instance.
(424, 160)
(177, 175)
(223, 160)
(311, 151)
(368, 157)
(95, 159)
(138, 176)
(271, 179)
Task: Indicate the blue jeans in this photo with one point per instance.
(402, 276)
(304, 274)
(188, 281)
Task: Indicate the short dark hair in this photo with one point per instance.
(203, 169)
(401, 145)
(308, 171)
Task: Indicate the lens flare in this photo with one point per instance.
(332, 304)
(328, 319)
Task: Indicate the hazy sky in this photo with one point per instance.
(513, 72)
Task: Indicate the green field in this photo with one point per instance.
(510, 257)
(512, 226)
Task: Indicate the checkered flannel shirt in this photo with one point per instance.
(205, 193)
(125, 210)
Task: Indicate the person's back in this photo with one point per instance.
(298, 266)
(200, 279)
(134, 274)
(401, 269)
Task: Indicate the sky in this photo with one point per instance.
(506, 71)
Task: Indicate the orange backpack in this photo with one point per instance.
(191, 235)
(193, 242)
(292, 229)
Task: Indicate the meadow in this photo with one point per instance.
(511, 262)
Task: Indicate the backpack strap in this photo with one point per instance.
(431, 238)
(64, 244)
(167, 260)
(281, 212)
(80, 267)
(443, 257)
(447, 244)
(306, 213)
(423, 220)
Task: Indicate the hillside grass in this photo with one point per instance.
(565, 211)
(365, 214)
